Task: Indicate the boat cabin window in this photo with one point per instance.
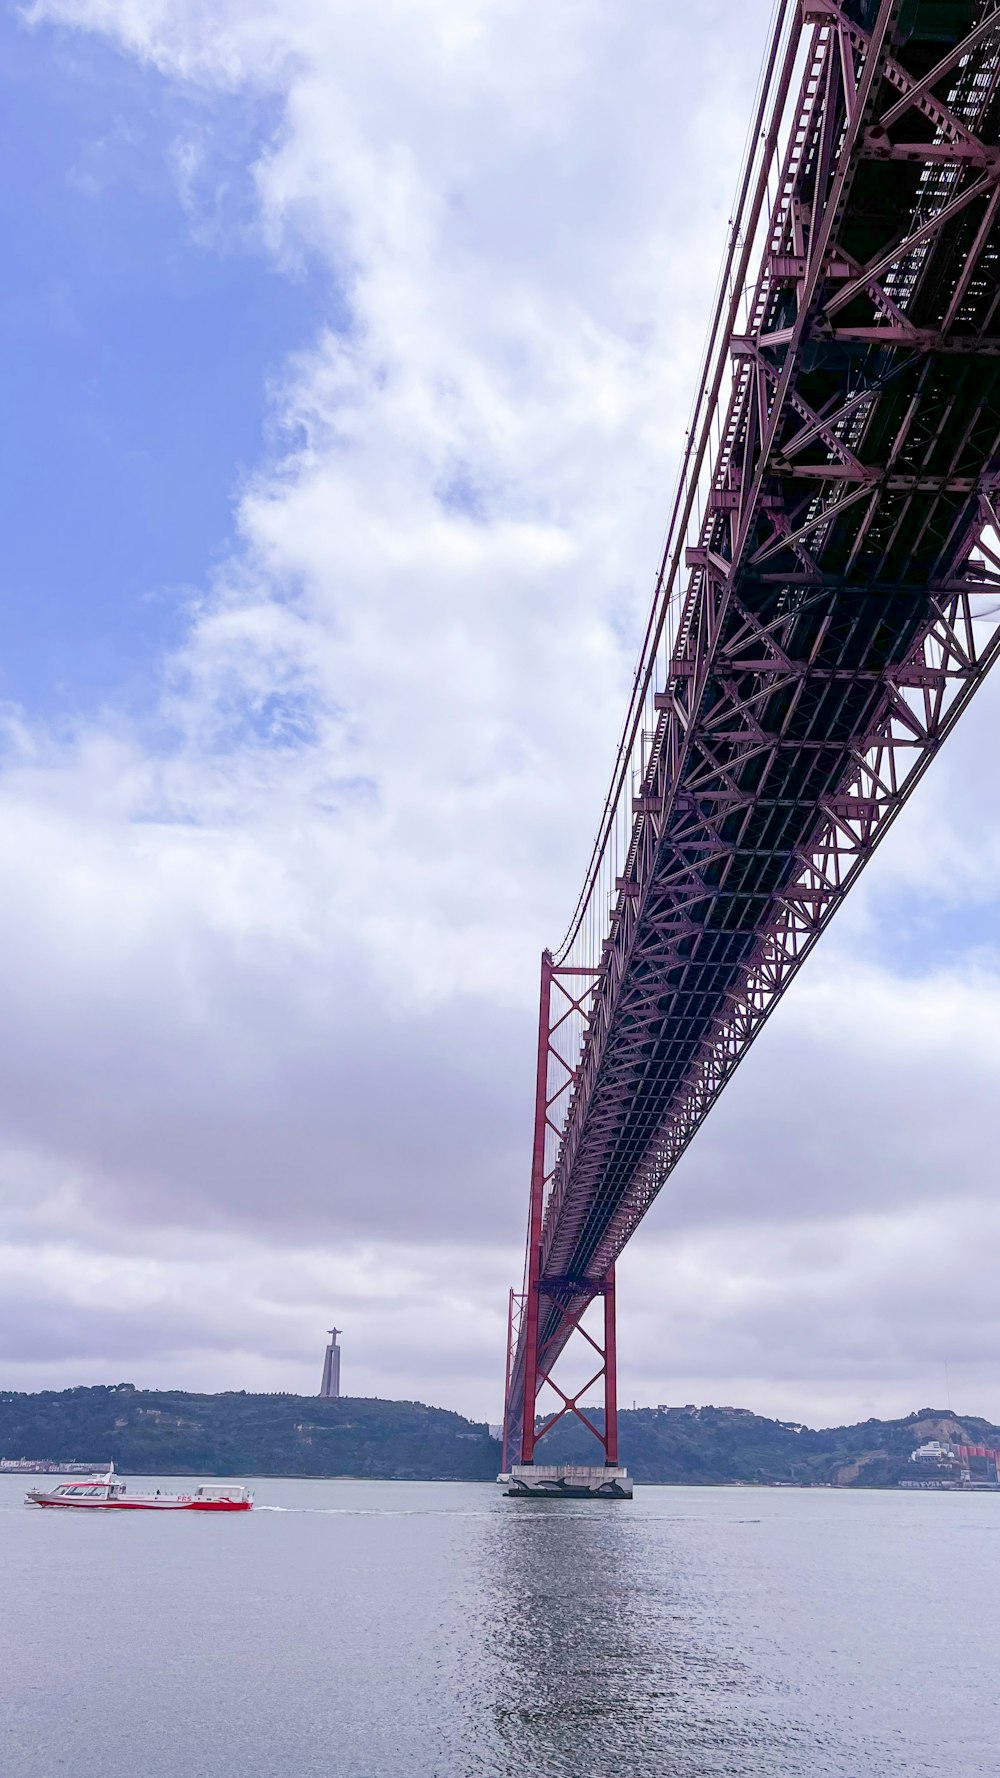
(75, 1490)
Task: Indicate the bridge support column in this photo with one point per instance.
(610, 1375)
(598, 1481)
(535, 1213)
(551, 1309)
(569, 1299)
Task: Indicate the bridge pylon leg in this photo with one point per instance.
(610, 1375)
(535, 1212)
(555, 1291)
(551, 1309)
(570, 1300)
(515, 1310)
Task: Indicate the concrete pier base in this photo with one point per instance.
(555, 1481)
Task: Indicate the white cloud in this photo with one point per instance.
(825, 1247)
(269, 959)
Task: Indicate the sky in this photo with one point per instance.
(348, 353)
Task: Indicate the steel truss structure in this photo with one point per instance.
(828, 603)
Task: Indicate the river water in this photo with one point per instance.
(437, 1630)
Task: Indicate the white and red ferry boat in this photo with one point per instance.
(107, 1492)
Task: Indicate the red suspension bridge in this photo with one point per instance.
(827, 604)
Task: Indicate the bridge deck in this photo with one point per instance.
(836, 618)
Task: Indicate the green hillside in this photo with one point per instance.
(171, 1432)
(712, 1444)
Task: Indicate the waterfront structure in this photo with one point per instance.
(934, 1451)
(941, 1465)
(826, 607)
(330, 1386)
(568, 1481)
(980, 1466)
(43, 1466)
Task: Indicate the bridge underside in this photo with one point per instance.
(840, 608)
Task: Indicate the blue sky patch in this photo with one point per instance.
(140, 330)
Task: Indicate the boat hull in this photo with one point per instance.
(137, 1505)
(108, 1493)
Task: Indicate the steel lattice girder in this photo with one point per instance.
(840, 612)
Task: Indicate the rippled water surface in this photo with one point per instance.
(438, 1630)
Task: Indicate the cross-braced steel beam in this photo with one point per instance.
(829, 602)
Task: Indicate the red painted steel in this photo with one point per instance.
(555, 1292)
(610, 1374)
(547, 1293)
(827, 604)
(505, 1458)
(534, 1253)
